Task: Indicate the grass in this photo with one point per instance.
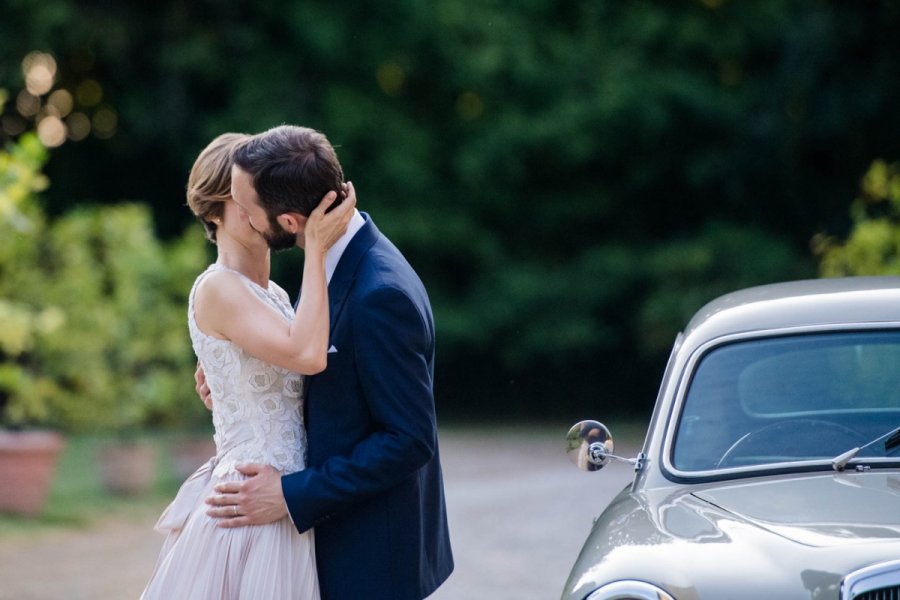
(77, 497)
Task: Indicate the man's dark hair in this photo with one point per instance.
(292, 169)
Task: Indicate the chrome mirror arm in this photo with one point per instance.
(597, 455)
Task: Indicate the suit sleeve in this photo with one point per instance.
(393, 345)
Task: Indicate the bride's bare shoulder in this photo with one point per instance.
(220, 285)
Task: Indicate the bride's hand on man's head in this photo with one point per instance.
(325, 228)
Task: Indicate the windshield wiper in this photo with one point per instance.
(893, 440)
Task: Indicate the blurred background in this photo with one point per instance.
(571, 179)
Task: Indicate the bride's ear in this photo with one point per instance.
(292, 222)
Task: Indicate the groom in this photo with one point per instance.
(373, 487)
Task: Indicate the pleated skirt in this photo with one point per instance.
(201, 561)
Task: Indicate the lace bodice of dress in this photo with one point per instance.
(257, 407)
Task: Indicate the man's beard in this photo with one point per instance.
(278, 237)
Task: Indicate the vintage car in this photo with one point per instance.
(771, 465)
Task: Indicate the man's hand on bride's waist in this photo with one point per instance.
(256, 500)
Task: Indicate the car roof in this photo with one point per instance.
(813, 303)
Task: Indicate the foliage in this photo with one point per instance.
(23, 323)
(571, 179)
(873, 246)
(92, 310)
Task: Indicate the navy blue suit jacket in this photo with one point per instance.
(373, 488)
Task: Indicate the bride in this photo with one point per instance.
(254, 349)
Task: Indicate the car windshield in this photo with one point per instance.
(789, 399)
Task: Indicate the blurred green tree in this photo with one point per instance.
(92, 310)
(873, 245)
(571, 179)
(23, 393)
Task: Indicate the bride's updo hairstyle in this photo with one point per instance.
(209, 184)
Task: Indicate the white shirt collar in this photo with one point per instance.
(333, 256)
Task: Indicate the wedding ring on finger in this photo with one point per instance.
(234, 510)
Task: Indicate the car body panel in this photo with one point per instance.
(786, 533)
(693, 548)
(837, 509)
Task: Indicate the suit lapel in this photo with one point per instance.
(342, 282)
(345, 273)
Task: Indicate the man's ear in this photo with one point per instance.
(292, 222)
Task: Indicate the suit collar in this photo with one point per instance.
(334, 254)
(345, 272)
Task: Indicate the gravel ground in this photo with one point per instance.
(519, 512)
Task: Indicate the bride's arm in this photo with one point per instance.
(232, 311)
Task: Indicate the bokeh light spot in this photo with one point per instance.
(79, 126)
(39, 69)
(469, 106)
(390, 77)
(62, 101)
(105, 122)
(51, 131)
(27, 104)
(12, 125)
(89, 93)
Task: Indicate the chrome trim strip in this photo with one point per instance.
(873, 577)
(811, 466)
(629, 590)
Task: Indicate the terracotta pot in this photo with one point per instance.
(188, 454)
(127, 468)
(27, 465)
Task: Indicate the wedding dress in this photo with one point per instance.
(258, 417)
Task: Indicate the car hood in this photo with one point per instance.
(827, 510)
(787, 537)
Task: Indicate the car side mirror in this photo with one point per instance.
(590, 445)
